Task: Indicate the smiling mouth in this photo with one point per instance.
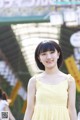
(49, 61)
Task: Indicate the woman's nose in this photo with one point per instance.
(48, 56)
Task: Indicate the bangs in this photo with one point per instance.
(46, 47)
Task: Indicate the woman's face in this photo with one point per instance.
(49, 58)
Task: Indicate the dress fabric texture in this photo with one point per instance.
(51, 101)
(3, 103)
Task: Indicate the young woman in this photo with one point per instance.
(52, 93)
(4, 106)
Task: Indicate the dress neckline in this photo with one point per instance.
(53, 84)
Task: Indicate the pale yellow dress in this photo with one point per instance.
(51, 101)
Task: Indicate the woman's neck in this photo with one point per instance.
(52, 71)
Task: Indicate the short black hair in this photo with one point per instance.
(47, 46)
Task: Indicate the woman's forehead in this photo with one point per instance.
(44, 49)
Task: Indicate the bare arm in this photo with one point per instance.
(71, 100)
(30, 99)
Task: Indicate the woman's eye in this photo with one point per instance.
(43, 53)
(52, 52)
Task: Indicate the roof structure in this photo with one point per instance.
(11, 53)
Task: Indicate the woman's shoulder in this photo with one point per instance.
(3, 103)
(32, 80)
(69, 77)
(66, 75)
(71, 82)
(35, 78)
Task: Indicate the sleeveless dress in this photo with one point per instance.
(51, 101)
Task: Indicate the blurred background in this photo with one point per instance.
(23, 24)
